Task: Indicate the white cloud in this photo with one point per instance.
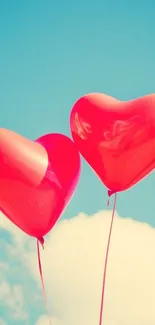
(2, 322)
(12, 298)
(11, 295)
(19, 236)
(73, 265)
(44, 320)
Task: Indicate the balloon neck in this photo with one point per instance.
(41, 241)
(110, 193)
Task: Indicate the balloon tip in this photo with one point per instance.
(110, 193)
(41, 241)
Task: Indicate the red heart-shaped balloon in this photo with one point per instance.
(37, 179)
(116, 138)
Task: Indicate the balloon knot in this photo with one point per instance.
(110, 193)
(41, 241)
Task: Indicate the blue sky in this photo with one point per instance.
(52, 53)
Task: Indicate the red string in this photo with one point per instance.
(106, 262)
(41, 241)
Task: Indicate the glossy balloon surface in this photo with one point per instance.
(116, 138)
(37, 179)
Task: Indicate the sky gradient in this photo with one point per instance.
(52, 53)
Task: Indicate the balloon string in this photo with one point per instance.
(41, 273)
(106, 262)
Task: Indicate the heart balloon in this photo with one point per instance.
(116, 138)
(37, 179)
